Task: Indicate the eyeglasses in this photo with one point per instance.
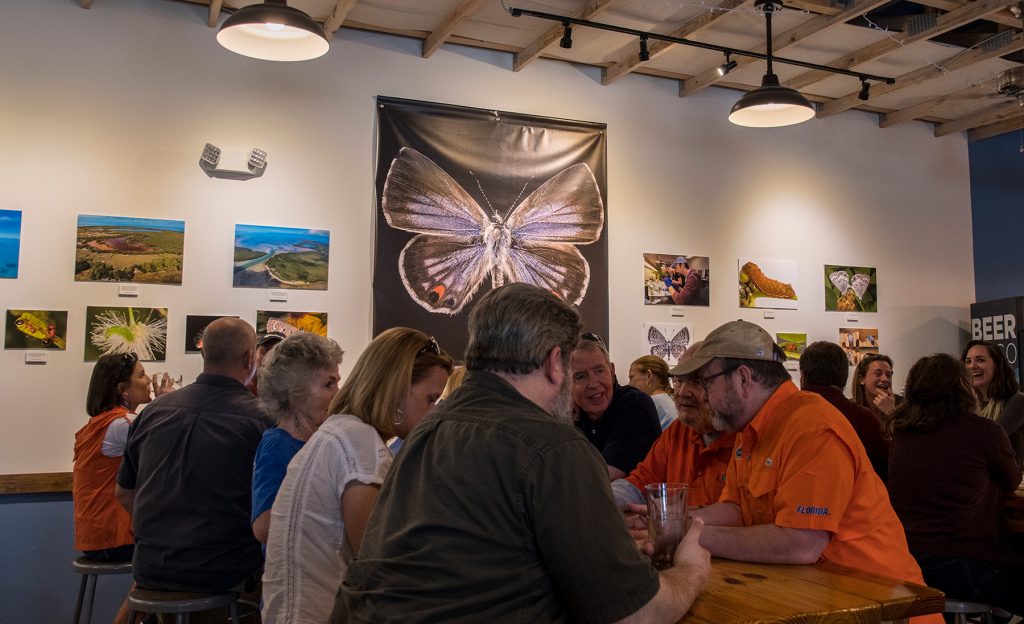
(430, 347)
(592, 337)
(678, 381)
(704, 380)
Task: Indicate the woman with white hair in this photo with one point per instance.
(297, 380)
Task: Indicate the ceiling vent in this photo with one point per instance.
(1011, 82)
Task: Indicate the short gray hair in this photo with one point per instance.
(285, 373)
(513, 328)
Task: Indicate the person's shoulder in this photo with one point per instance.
(275, 439)
(627, 395)
(347, 426)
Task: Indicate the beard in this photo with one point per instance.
(728, 417)
(562, 406)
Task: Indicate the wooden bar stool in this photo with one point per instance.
(962, 609)
(91, 570)
(181, 604)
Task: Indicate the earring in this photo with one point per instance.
(399, 416)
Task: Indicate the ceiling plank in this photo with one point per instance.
(631, 60)
(214, 13)
(337, 16)
(984, 132)
(1010, 109)
(447, 27)
(928, 72)
(1002, 17)
(533, 50)
(797, 33)
(943, 24)
(923, 108)
(85, 4)
(823, 7)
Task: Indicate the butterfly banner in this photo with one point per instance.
(667, 340)
(850, 289)
(471, 199)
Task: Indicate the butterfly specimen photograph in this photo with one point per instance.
(850, 289)
(472, 199)
(667, 340)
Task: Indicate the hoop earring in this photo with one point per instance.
(399, 416)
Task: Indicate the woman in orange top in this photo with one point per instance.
(119, 384)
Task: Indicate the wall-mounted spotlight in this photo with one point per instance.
(257, 164)
(727, 66)
(566, 41)
(645, 54)
(865, 90)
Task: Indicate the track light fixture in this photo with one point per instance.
(767, 106)
(273, 31)
(566, 41)
(865, 90)
(727, 66)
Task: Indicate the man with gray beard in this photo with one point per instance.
(498, 509)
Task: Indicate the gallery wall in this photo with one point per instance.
(105, 111)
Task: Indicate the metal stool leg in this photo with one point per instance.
(81, 597)
(92, 599)
(234, 612)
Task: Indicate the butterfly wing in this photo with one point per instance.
(679, 342)
(556, 267)
(443, 266)
(543, 228)
(860, 283)
(442, 273)
(841, 280)
(566, 209)
(420, 197)
(659, 344)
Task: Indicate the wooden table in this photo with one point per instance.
(761, 593)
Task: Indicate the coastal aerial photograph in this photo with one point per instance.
(281, 257)
(10, 242)
(127, 249)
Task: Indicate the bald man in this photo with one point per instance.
(187, 471)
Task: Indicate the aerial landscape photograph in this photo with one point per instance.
(281, 257)
(127, 249)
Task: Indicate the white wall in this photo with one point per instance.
(105, 111)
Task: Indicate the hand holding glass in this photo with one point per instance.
(666, 520)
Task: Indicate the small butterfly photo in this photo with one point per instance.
(667, 340)
(850, 289)
(459, 246)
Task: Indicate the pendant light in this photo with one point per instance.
(273, 31)
(770, 105)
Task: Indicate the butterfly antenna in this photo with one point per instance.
(484, 194)
(521, 191)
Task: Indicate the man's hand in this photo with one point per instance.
(693, 557)
(636, 522)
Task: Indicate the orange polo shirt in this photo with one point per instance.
(799, 464)
(679, 455)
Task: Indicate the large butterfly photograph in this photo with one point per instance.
(471, 199)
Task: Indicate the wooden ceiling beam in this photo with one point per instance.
(797, 33)
(533, 50)
(1003, 17)
(215, 6)
(447, 27)
(924, 108)
(337, 17)
(85, 4)
(1010, 109)
(991, 130)
(928, 72)
(822, 7)
(631, 60)
(943, 24)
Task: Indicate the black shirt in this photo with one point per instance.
(627, 429)
(189, 459)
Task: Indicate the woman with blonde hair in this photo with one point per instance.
(650, 374)
(318, 519)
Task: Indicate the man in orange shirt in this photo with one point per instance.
(689, 451)
(799, 488)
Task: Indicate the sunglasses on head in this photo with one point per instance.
(430, 347)
(592, 337)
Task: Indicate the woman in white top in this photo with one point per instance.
(650, 374)
(331, 486)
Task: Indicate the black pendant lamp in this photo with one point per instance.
(273, 31)
(771, 105)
